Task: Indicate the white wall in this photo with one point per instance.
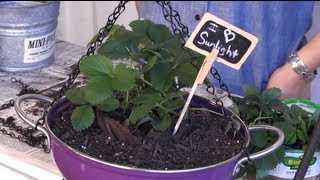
(79, 21)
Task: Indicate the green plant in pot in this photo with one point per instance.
(120, 122)
(294, 120)
(148, 85)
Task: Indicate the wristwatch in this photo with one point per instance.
(301, 69)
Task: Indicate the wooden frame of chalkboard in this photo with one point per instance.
(234, 44)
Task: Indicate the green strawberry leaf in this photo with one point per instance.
(163, 124)
(259, 139)
(315, 116)
(271, 94)
(288, 130)
(124, 78)
(159, 33)
(277, 105)
(173, 104)
(113, 29)
(122, 44)
(96, 66)
(303, 125)
(109, 105)
(141, 26)
(82, 117)
(187, 74)
(174, 95)
(291, 138)
(161, 79)
(139, 112)
(270, 161)
(76, 96)
(97, 90)
(302, 136)
(251, 90)
(149, 65)
(297, 112)
(146, 98)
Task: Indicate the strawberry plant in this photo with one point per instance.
(145, 83)
(135, 100)
(267, 108)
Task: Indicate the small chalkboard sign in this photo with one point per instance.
(234, 45)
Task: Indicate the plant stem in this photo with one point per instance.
(154, 52)
(126, 99)
(203, 109)
(168, 110)
(132, 64)
(259, 118)
(148, 83)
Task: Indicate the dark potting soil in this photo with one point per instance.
(200, 141)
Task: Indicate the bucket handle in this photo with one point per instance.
(23, 116)
(264, 152)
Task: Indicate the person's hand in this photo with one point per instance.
(289, 82)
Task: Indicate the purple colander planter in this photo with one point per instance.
(75, 165)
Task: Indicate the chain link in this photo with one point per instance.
(173, 17)
(182, 31)
(90, 51)
(7, 105)
(223, 86)
(26, 135)
(25, 88)
(29, 135)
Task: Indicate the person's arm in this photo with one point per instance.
(310, 53)
(138, 7)
(288, 80)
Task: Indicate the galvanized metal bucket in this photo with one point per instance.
(27, 34)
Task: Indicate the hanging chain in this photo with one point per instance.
(173, 17)
(91, 50)
(179, 29)
(25, 88)
(28, 135)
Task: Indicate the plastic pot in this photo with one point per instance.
(75, 165)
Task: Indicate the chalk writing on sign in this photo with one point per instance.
(234, 45)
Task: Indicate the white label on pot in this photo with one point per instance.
(39, 48)
(304, 106)
(288, 168)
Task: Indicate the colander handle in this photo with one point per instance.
(23, 116)
(264, 152)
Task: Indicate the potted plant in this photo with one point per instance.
(120, 123)
(295, 117)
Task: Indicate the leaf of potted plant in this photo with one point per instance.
(119, 124)
(295, 119)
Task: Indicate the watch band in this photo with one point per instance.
(301, 69)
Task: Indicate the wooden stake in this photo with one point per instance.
(205, 67)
